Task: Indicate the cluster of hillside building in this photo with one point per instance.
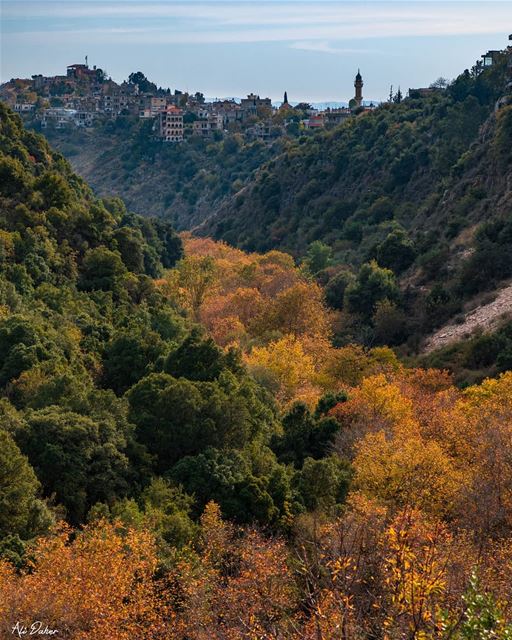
(85, 95)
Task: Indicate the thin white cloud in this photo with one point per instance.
(229, 13)
(309, 33)
(309, 26)
(252, 14)
(319, 46)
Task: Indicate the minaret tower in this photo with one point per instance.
(358, 84)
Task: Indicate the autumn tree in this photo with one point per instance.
(284, 368)
(297, 310)
(101, 579)
(405, 470)
(483, 417)
(192, 281)
(245, 589)
(415, 563)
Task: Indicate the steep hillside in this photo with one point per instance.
(53, 225)
(184, 453)
(422, 187)
(349, 186)
(115, 400)
(180, 183)
(486, 316)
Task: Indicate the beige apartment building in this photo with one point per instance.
(205, 127)
(171, 124)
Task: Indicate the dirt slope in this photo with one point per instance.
(486, 317)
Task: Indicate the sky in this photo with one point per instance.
(312, 49)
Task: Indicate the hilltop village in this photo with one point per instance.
(86, 95)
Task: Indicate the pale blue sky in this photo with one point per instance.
(311, 49)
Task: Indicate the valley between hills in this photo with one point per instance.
(260, 390)
(420, 186)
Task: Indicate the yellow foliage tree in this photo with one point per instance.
(416, 554)
(376, 405)
(483, 418)
(348, 365)
(405, 470)
(284, 367)
(297, 310)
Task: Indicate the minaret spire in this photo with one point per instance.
(358, 84)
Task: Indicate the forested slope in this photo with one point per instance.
(422, 188)
(110, 385)
(179, 183)
(349, 186)
(184, 453)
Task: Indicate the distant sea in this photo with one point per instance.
(316, 105)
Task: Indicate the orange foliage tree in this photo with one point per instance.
(236, 587)
(98, 585)
(272, 311)
(377, 570)
(482, 422)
